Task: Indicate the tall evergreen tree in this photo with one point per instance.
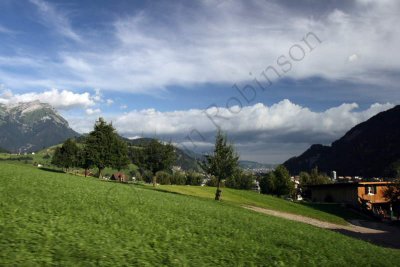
(120, 157)
(104, 147)
(158, 157)
(223, 163)
(84, 161)
(66, 156)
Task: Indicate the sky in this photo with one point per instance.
(276, 76)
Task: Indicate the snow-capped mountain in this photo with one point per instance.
(30, 126)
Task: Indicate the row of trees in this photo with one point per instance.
(179, 178)
(103, 148)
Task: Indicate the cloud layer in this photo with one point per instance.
(218, 42)
(60, 99)
(285, 117)
(263, 133)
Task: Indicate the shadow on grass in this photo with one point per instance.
(337, 210)
(389, 236)
(51, 170)
(162, 190)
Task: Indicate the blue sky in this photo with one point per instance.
(177, 69)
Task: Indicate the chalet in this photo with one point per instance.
(119, 177)
(368, 195)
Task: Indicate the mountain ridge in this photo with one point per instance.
(30, 126)
(369, 149)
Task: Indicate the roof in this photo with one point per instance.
(352, 184)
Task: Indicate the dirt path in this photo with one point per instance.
(375, 232)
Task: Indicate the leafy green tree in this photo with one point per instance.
(314, 178)
(305, 178)
(147, 175)
(57, 158)
(163, 177)
(240, 180)
(277, 182)
(66, 156)
(178, 178)
(84, 161)
(120, 159)
(223, 163)
(104, 147)
(267, 183)
(194, 178)
(283, 183)
(317, 177)
(392, 192)
(213, 181)
(158, 157)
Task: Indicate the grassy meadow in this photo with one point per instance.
(43, 157)
(333, 213)
(49, 218)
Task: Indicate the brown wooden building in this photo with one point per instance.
(357, 194)
(119, 177)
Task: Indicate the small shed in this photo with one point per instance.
(119, 177)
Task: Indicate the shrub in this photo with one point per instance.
(194, 178)
(241, 180)
(147, 176)
(137, 175)
(277, 182)
(213, 181)
(178, 178)
(163, 177)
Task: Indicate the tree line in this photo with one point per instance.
(103, 148)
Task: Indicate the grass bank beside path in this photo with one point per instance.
(333, 213)
(56, 219)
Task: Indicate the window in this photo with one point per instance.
(370, 190)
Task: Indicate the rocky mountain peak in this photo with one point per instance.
(28, 126)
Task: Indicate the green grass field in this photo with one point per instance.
(49, 218)
(43, 157)
(325, 212)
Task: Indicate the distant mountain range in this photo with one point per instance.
(31, 126)
(370, 149)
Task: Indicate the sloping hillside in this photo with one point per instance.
(49, 218)
(370, 149)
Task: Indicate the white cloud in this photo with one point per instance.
(222, 43)
(353, 57)
(98, 97)
(60, 99)
(109, 102)
(261, 133)
(282, 118)
(52, 18)
(91, 111)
